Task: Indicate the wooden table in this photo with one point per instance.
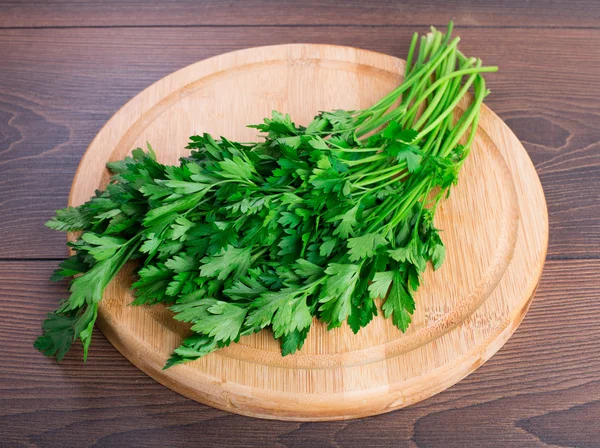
(65, 68)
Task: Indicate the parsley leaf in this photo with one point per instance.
(336, 295)
(399, 303)
(229, 260)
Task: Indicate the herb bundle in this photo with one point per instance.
(315, 221)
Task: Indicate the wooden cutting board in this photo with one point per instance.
(495, 227)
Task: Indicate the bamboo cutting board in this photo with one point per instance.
(495, 227)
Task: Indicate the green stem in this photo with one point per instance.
(373, 158)
(368, 168)
(258, 254)
(407, 204)
(342, 149)
(441, 82)
(411, 51)
(468, 117)
(398, 170)
(448, 110)
(414, 77)
(372, 173)
(371, 126)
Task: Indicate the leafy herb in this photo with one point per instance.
(312, 222)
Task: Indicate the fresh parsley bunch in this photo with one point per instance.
(316, 221)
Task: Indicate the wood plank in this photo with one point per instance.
(579, 13)
(542, 388)
(58, 87)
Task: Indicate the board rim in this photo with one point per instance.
(165, 378)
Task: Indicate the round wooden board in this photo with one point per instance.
(495, 227)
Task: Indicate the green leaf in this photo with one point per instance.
(318, 143)
(290, 245)
(152, 284)
(68, 268)
(192, 348)
(363, 306)
(156, 192)
(184, 187)
(438, 256)
(414, 279)
(88, 288)
(328, 180)
(408, 153)
(154, 216)
(316, 126)
(327, 247)
(151, 244)
(399, 303)
(180, 228)
(229, 260)
(403, 232)
(245, 288)
(307, 269)
(58, 335)
(293, 341)
(69, 219)
(182, 263)
(335, 297)
(102, 247)
(119, 224)
(292, 142)
(206, 146)
(236, 168)
(289, 219)
(222, 321)
(381, 284)
(61, 329)
(290, 199)
(364, 246)
(413, 253)
(88, 320)
(285, 310)
(394, 131)
(179, 285)
(278, 124)
(347, 223)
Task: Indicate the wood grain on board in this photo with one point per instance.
(541, 389)
(577, 13)
(58, 87)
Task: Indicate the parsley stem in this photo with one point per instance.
(372, 125)
(466, 119)
(259, 254)
(448, 110)
(389, 182)
(414, 77)
(341, 149)
(344, 149)
(366, 159)
(407, 204)
(397, 169)
(411, 51)
(368, 168)
(372, 173)
(472, 71)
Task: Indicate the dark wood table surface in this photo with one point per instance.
(66, 67)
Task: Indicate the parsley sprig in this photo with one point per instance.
(312, 222)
